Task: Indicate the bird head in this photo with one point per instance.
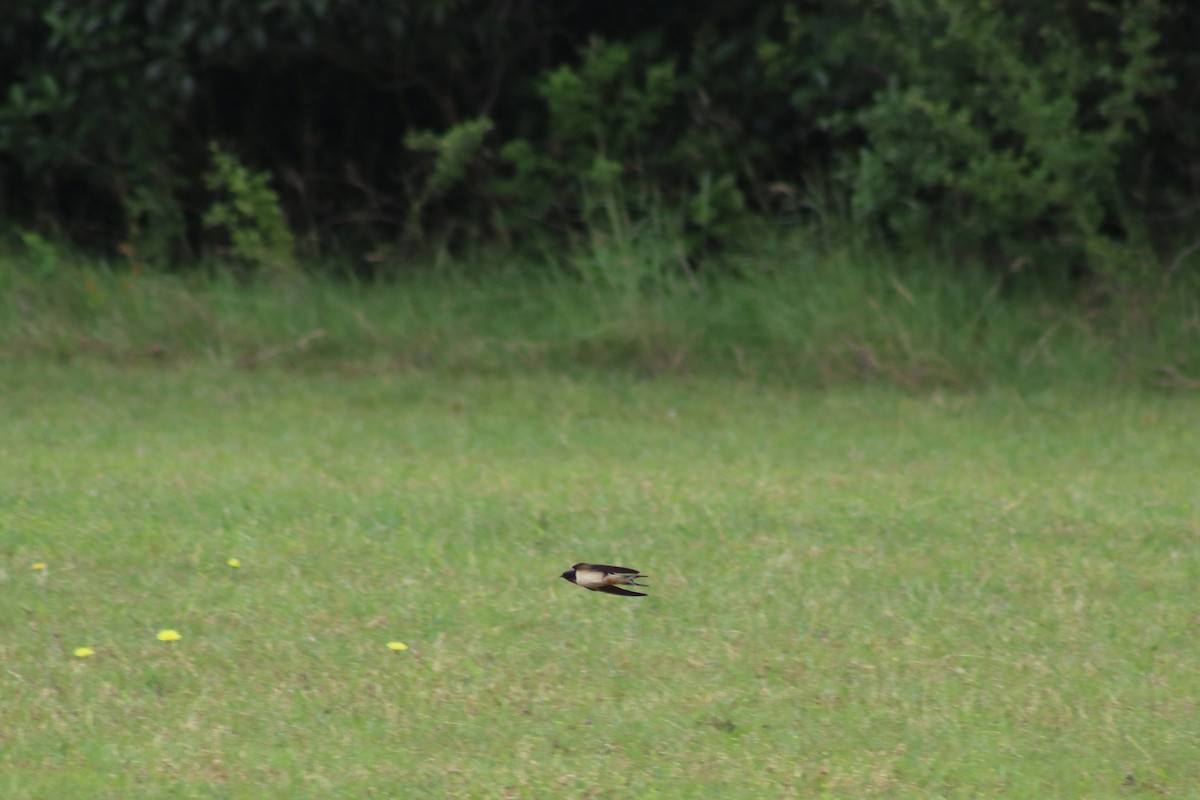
(569, 575)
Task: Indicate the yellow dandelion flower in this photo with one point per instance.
(397, 646)
(168, 636)
(84, 652)
(233, 562)
(39, 565)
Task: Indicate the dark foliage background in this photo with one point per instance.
(1046, 136)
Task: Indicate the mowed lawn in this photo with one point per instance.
(856, 593)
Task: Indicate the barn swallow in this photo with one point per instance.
(604, 578)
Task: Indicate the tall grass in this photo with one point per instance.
(784, 309)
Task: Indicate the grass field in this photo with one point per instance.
(855, 593)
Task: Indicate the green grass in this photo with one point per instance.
(785, 311)
(855, 593)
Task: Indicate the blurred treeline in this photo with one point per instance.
(1049, 137)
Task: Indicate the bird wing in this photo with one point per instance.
(618, 590)
(608, 569)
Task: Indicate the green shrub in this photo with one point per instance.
(1037, 134)
(1005, 128)
(247, 211)
(618, 155)
(453, 154)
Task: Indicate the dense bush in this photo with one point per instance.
(110, 107)
(1008, 126)
(1040, 133)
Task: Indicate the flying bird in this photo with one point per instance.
(604, 578)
